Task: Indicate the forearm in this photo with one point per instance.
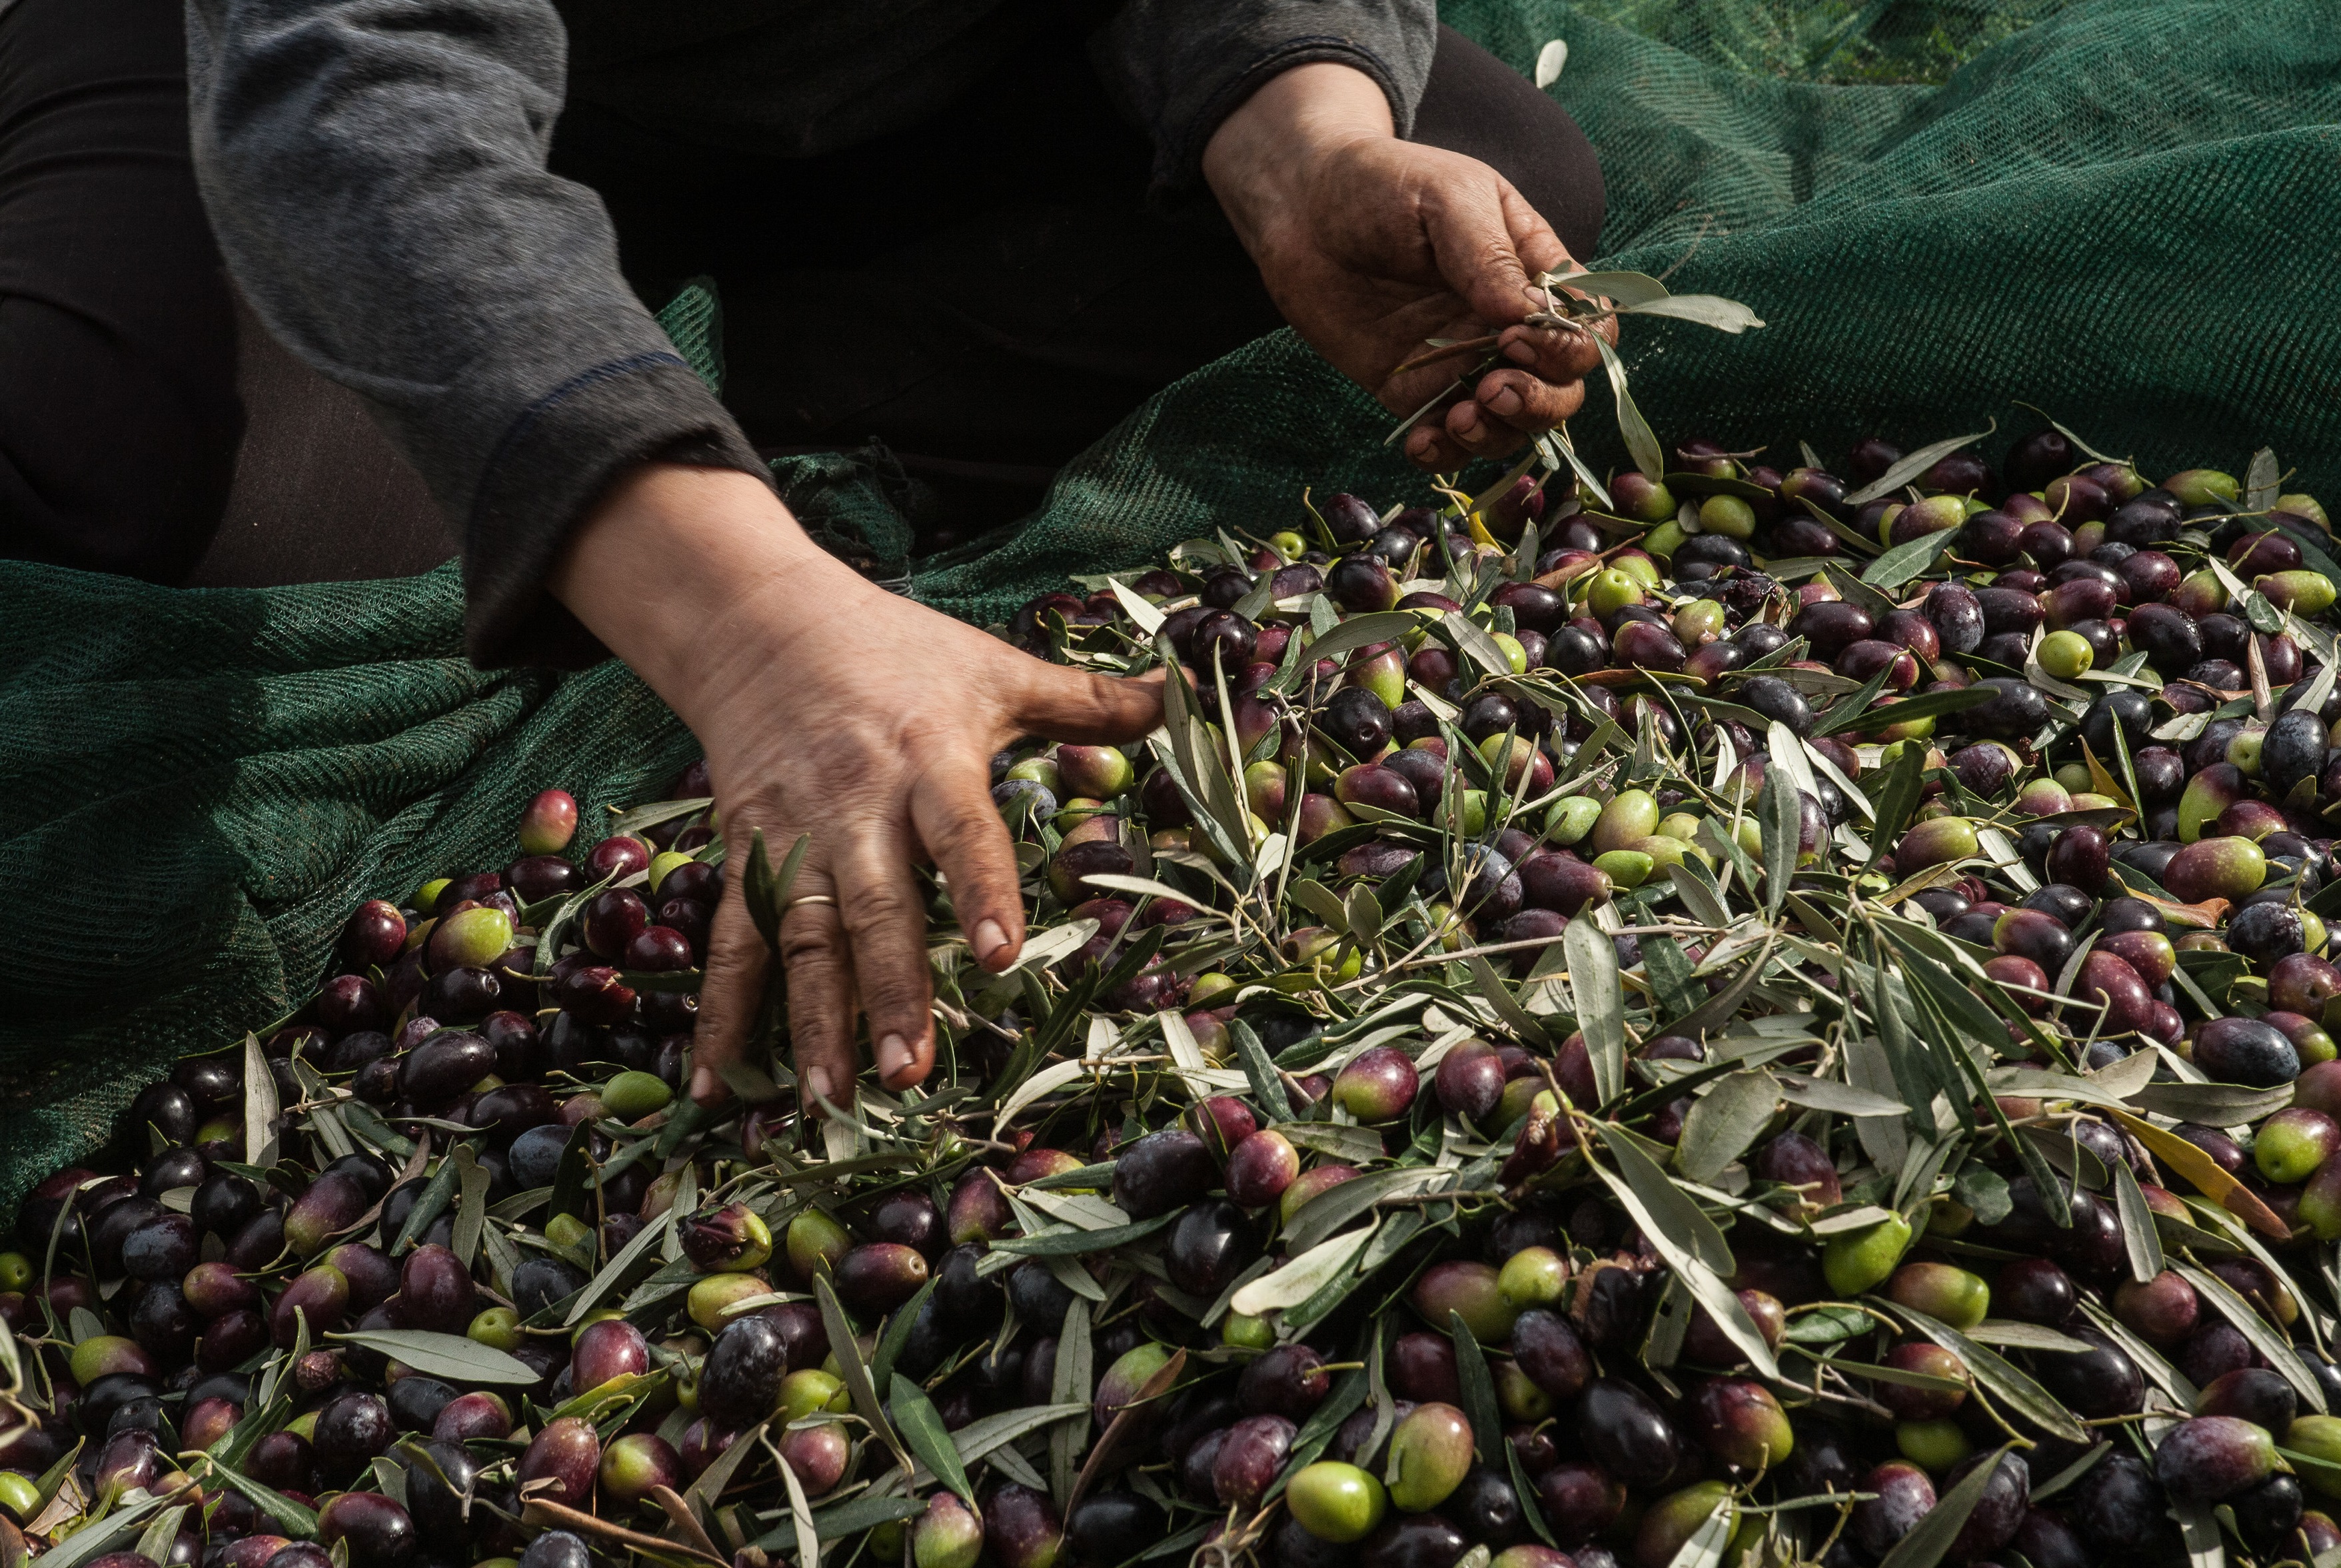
(375, 170)
(679, 571)
(1183, 67)
(1263, 153)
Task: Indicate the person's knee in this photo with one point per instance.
(1476, 105)
(110, 460)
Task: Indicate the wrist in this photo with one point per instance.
(1260, 159)
(690, 575)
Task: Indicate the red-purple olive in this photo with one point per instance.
(377, 1531)
(1261, 1168)
(1429, 1455)
(2162, 1312)
(568, 1452)
(634, 1464)
(1378, 1085)
(1740, 1422)
(1673, 1519)
(1910, 1401)
(2211, 1458)
(321, 1295)
(1471, 1289)
(946, 1535)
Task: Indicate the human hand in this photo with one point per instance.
(1369, 245)
(828, 706)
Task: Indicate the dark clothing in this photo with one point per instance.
(375, 173)
(966, 288)
(990, 292)
(118, 416)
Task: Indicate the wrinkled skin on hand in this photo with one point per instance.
(1370, 245)
(827, 706)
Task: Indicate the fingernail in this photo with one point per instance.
(1506, 402)
(990, 940)
(816, 1085)
(1519, 351)
(893, 1056)
(702, 1084)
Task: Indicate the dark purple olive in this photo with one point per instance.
(1414, 1541)
(1161, 1172)
(1548, 1350)
(569, 1452)
(1112, 1526)
(1422, 1368)
(1993, 1522)
(374, 935)
(1287, 1381)
(164, 1247)
(2099, 1382)
(351, 1430)
(1904, 1496)
(1249, 1458)
(1210, 1246)
(2014, 712)
(1579, 1500)
(910, 1219)
(1831, 626)
(444, 1065)
(165, 1109)
(377, 1531)
(1625, 1432)
(614, 919)
(879, 1276)
(2250, 1393)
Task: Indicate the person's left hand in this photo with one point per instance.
(1369, 245)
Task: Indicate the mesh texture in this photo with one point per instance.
(2119, 210)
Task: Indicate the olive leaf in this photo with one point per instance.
(1724, 1121)
(921, 1427)
(1601, 1004)
(1908, 468)
(855, 1375)
(449, 1356)
(2026, 1397)
(1071, 1385)
(2268, 1341)
(1932, 1536)
(1479, 1388)
(1641, 441)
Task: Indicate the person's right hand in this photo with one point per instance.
(828, 706)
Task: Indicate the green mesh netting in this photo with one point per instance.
(2119, 210)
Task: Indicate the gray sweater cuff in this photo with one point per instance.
(1183, 66)
(555, 462)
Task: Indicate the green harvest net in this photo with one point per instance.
(2120, 210)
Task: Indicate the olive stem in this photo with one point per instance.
(1446, 351)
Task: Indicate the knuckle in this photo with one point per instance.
(809, 939)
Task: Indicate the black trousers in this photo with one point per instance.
(118, 416)
(987, 294)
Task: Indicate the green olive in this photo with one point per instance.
(2065, 654)
(1336, 1502)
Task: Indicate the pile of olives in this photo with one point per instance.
(1701, 1023)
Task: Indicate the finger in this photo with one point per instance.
(1477, 433)
(1430, 447)
(1556, 353)
(1539, 249)
(1528, 403)
(886, 922)
(821, 994)
(1086, 709)
(1471, 234)
(730, 992)
(960, 828)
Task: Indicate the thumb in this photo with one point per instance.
(1490, 244)
(1087, 709)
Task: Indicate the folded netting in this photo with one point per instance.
(2121, 211)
